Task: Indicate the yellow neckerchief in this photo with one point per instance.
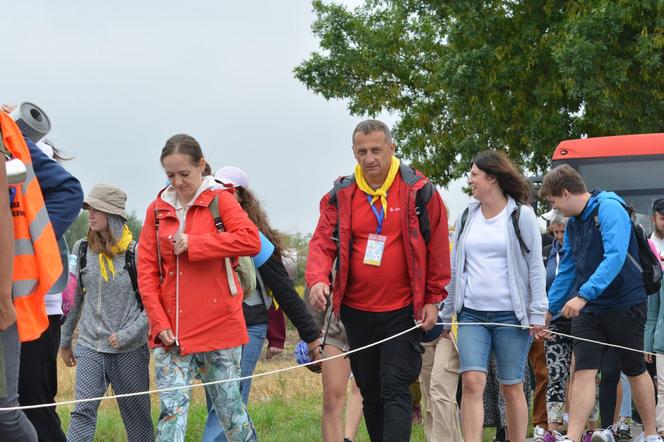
(119, 247)
(381, 192)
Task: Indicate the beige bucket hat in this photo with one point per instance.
(108, 199)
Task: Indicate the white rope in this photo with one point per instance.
(282, 370)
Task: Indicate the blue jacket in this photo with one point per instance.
(63, 195)
(595, 262)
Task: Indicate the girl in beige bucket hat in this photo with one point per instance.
(112, 326)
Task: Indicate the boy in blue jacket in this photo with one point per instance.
(610, 301)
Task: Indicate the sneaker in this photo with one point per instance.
(602, 436)
(587, 436)
(553, 436)
(621, 431)
(539, 433)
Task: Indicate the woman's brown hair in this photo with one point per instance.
(184, 144)
(509, 178)
(102, 242)
(257, 215)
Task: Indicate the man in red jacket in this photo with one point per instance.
(386, 225)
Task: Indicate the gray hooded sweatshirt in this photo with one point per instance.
(107, 307)
(526, 274)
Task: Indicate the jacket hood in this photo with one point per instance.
(596, 198)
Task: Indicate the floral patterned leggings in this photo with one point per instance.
(173, 370)
(559, 362)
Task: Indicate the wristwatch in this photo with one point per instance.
(582, 298)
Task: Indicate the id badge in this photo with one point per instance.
(375, 248)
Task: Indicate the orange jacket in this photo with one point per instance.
(204, 317)
(37, 263)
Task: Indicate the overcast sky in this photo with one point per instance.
(118, 78)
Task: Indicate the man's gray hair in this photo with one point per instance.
(368, 126)
(557, 217)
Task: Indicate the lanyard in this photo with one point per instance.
(379, 216)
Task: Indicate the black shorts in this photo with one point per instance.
(623, 327)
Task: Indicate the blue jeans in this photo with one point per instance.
(510, 344)
(251, 352)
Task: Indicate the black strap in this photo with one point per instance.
(515, 223)
(422, 198)
(130, 267)
(82, 262)
(464, 218)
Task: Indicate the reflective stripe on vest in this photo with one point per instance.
(37, 263)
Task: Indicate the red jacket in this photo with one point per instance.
(428, 262)
(209, 318)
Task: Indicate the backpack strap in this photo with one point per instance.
(130, 267)
(214, 210)
(422, 198)
(82, 262)
(156, 234)
(219, 224)
(516, 214)
(464, 218)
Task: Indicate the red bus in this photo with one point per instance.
(630, 165)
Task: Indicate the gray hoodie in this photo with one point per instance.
(526, 274)
(107, 307)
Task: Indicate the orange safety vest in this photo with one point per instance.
(37, 263)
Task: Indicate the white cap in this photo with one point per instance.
(232, 175)
(549, 215)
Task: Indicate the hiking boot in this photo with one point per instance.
(621, 431)
(602, 436)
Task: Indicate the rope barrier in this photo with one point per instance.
(282, 370)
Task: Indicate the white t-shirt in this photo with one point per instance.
(487, 285)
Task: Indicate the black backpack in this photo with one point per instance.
(647, 263)
(514, 216)
(130, 267)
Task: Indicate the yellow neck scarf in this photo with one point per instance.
(381, 192)
(119, 247)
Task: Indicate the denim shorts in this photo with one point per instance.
(510, 345)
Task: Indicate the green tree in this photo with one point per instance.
(517, 75)
(300, 243)
(78, 229)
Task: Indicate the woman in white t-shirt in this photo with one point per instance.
(497, 277)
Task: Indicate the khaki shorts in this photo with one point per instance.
(332, 330)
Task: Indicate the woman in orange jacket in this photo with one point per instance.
(191, 294)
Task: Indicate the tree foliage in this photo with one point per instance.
(300, 244)
(467, 75)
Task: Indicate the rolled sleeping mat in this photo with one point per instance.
(267, 248)
(32, 121)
